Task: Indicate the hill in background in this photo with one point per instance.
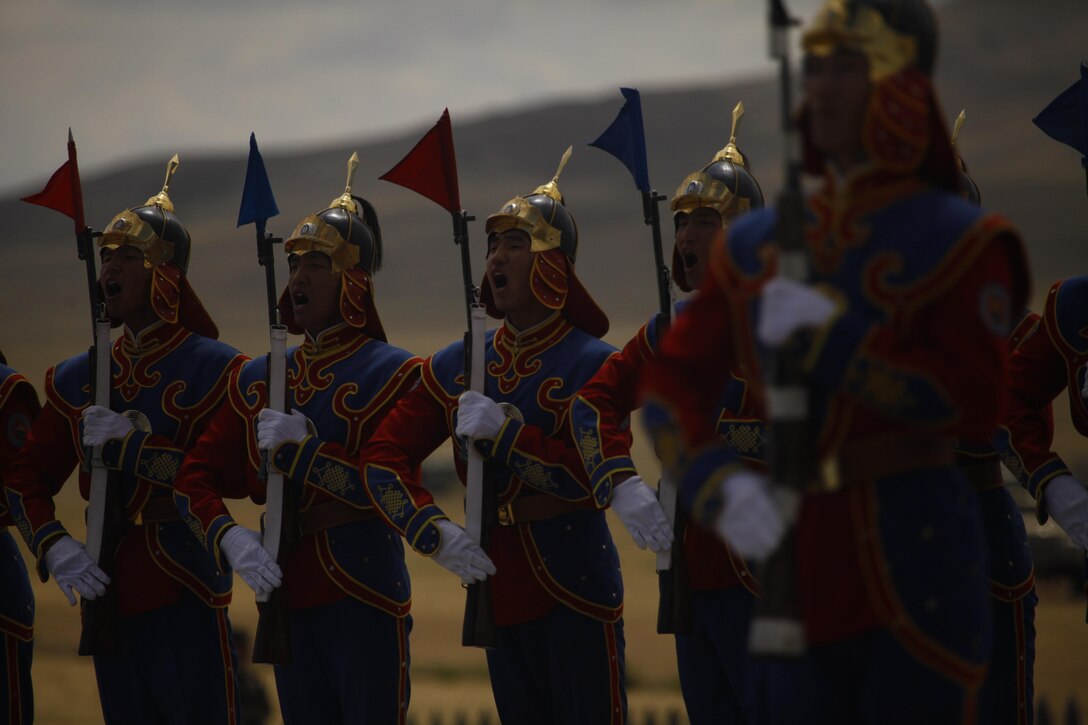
(999, 59)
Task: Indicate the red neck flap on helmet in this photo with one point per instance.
(903, 133)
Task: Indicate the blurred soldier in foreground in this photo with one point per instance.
(902, 328)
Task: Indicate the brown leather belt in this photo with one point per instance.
(984, 476)
(872, 459)
(159, 510)
(534, 507)
(328, 514)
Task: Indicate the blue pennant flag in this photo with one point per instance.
(1066, 118)
(258, 203)
(626, 140)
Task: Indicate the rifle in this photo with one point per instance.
(105, 509)
(271, 643)
(776, 624)
(481, 499)
(105, 515)
(430, 169)
(625, 139)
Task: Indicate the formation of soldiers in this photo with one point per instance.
(908, 590)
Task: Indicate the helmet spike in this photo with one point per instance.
(162, 199)
(730, 152)
(551, 189)
(345, 200)
(738, 111)
(960, 119)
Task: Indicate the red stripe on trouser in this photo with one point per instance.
(402, 676)
(1021, 676)
(613, 672)
(15, 691)
(228, 665)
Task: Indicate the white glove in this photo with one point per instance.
(1066, 501)
(460, 554)
(788, 306)
(638, 508)
(73, 569)
(750, 521)
(246, 556)
(274, 428)
(478, 416)
(102, 424)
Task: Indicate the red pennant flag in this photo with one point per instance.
(430, 168)
(63, 191)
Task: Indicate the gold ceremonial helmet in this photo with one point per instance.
(152, 228)
(892, 35)
(725, 184)
(346, 231)
(541, 215)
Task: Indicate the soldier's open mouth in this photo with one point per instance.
(690, 260)
(112, 289)
(498, 279)
(300, 299)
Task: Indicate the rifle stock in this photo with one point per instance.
(777, 629)
(481, 504)
(674, 592)
(105, 510)
(478, 627)
(271, 642)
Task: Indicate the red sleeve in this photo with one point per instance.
(18, 411)
(411, 431)
(1036, 376)
(613, 393)
(685, 379)
(43, 464)
(600, 423)
(215, 470)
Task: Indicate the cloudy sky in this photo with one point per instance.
(139, 77)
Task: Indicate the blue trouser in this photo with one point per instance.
(562, 669)
(1007, 694)
(869, 679)
(923, 565)
(349, 664)
(175, 665)
(713, 658)
(16, 645)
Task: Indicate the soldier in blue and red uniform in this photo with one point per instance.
(175, 660)
(19, 407)
(903, 326)
(1007, 694)
(557, 593)
(712, 657)
(1052, 357)
(347, 586)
